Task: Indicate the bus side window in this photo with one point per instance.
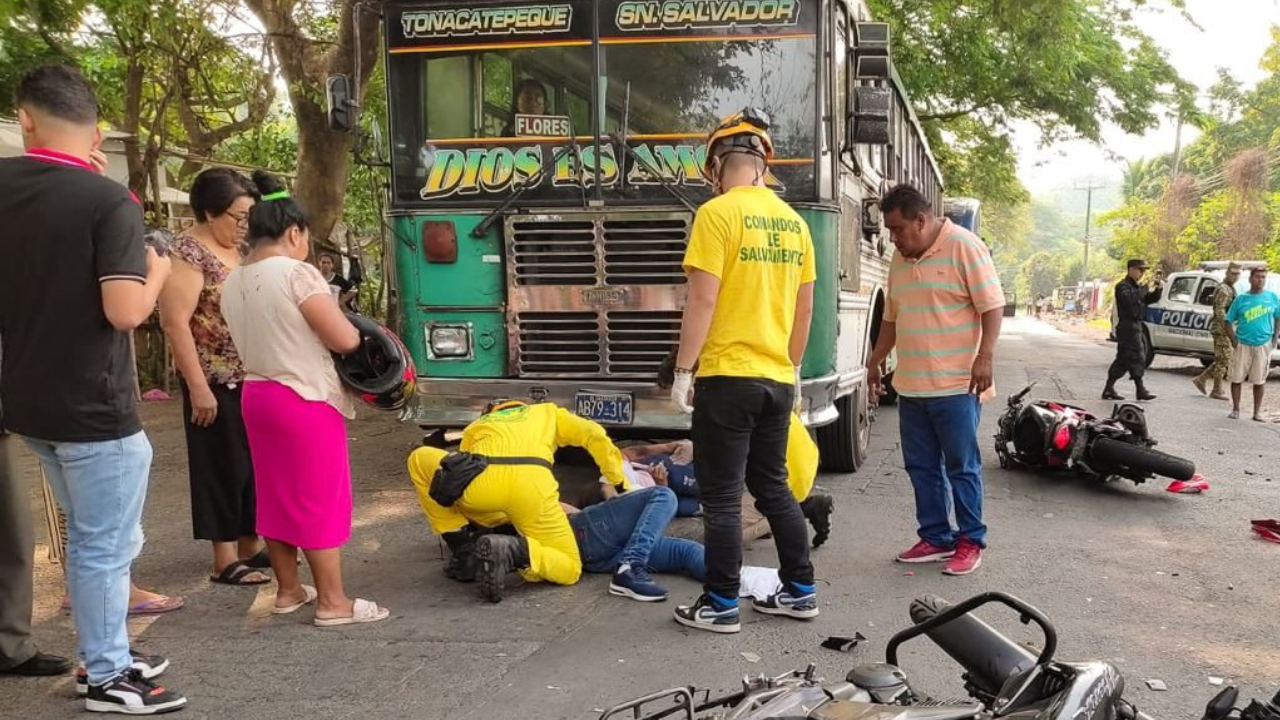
(451, 78)
(498, 82)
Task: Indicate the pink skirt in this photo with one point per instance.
(301, 468)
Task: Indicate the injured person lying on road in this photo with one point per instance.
(671, 465)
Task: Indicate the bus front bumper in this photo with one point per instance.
(454, 403)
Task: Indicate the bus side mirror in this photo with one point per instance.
(870, 218)
(871, 53)
(341, 109)
(872, 112)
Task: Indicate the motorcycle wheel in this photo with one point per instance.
(1109, 453)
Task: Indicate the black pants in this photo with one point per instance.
(223, 501)
(1131, 358)
(740, 435)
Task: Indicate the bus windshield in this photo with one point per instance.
(484, 98)
(673, 93)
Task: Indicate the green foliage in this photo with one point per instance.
(1039, 275)
(1226, 206)
(1069, 66)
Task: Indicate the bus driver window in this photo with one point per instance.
(531, 99)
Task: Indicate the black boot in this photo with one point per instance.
(462, 555)
(817, 510)
(1109, 392)
(1142, 391)
(499, 555)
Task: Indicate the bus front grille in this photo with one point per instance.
(558, 344)
(645, 251)
(571, 344)
(639, 340)
(553, 252)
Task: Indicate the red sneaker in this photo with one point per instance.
(925, 552)
(967, 558)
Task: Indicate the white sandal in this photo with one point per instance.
(362, 611)
(309, 596)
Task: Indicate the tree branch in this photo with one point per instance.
(952, 115)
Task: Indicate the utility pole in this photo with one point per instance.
(1088, 217)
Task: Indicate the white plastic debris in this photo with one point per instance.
(1157, 685)
(751, 657)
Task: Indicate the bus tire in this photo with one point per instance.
(890, 396)
(843, 444)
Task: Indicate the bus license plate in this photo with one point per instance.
(605, 409)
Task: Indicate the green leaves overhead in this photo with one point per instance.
(1067, 66)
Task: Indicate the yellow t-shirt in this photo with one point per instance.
(762, 252)
(802, 459)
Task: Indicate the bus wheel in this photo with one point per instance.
(842, 445)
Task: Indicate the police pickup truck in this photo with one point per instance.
(1178, 323)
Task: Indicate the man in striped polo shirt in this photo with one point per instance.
(944, 312)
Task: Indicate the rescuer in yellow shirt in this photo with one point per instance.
(746, 323)
(518, 442)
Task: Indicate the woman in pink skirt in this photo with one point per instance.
(284, 322)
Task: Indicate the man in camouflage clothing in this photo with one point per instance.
(1222, 299)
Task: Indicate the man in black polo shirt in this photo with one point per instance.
(75, 280)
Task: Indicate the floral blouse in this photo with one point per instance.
(217, 353)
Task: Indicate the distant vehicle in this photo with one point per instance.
(965, 212)
(1178, 323)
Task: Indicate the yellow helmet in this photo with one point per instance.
(747, 130)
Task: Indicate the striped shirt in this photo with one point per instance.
(937, 302)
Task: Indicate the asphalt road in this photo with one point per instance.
(1167, 587)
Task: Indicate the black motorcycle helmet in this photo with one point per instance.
(380, 371)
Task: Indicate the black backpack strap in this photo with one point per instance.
(539, 462)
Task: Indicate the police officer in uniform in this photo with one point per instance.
(1131, 343)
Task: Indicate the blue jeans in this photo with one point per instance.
(940, 450)
(101, 487)
(628, 529)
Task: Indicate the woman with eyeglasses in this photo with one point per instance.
(223, 505)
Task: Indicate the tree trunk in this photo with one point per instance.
(322, 154)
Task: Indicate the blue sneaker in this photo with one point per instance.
(637, 584)
(797, 603)
(706, 614)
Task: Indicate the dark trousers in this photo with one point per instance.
(740, 437)
(17, 548)
(223, 500)
(1131, 357)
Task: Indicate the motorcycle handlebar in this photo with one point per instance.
(1026, 613)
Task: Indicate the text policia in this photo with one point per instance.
(683, 14)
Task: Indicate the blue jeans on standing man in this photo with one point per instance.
(628, 530)
(101, 487)
(940, 450)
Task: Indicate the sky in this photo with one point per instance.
(1233, 34)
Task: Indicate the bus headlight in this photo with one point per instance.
(449, 342)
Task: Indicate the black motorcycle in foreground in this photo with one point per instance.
(1003, 679)
(1050, 435)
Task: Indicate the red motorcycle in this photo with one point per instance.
(1051, 435)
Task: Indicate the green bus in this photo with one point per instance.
(546, 164)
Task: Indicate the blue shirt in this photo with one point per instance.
(1255, 317)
